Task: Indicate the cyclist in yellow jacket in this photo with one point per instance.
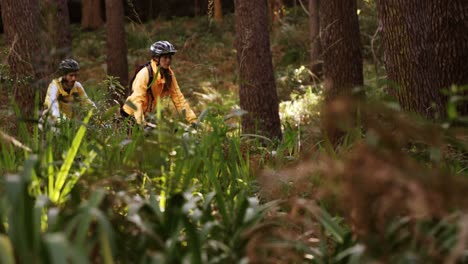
(144, 95)
(65, 92)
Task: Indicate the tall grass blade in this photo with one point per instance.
(331, 226)
(6, 250)
(105, 232)
(8, 160)
(23, 232)
(64, 170)
(329, 147)
(87, 216)
(72, 180)
(104, 242)
(49, 159)
(57, 247)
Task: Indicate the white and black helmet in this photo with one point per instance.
(162, 48)
(68, 65)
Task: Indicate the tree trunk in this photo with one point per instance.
(1, 22)
(342, 57)
(257, 93)
(25, 56)
(218, 11)
(314, 28)
(58, 30)
(91, 14)
(276, 10)
(426, 51)
(117, 64)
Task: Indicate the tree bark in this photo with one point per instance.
(91, 14)
(117, 64)
(342, 58)
(426, 51)
(276, 10)
(314, 29)
(342, 54)
(26, 56)
(218, 11)
(1, 22)
(257, 93)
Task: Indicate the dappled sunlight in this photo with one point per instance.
(301, 109)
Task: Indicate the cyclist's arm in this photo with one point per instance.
(180, 102)
(138, 95)
(51, 101)
(83, 96)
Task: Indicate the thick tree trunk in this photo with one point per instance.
(342, 57)
(1, 22)
(314, 29)
(426, 51)
(218, 11)
(117, 64)
(25, 56)
(91, 14)
(341, 47)
(58, 30)
(257, 91)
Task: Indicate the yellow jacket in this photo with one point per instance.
(58, 101)
(140, 98)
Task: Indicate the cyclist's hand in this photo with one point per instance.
(148, 124)
(195, 125)
(149, 127)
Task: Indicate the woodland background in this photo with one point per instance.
(330, 132)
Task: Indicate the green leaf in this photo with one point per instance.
(74, 179)
(452, 111)
(64, 170)
(57, 247)
(331, 226)
(193, 241)
(110, 112)
(106, 251)
(22, 230)
(355, 252)
(6, 250)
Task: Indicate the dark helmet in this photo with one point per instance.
(162, 48)
(68, 65)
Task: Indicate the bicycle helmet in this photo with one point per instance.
(68, 65)
(162, 48)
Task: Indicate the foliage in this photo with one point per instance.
(302, 109)
(368, 22)
(290, 43)
(181, 185)
(397, 186)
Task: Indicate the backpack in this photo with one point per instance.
(151, 79)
